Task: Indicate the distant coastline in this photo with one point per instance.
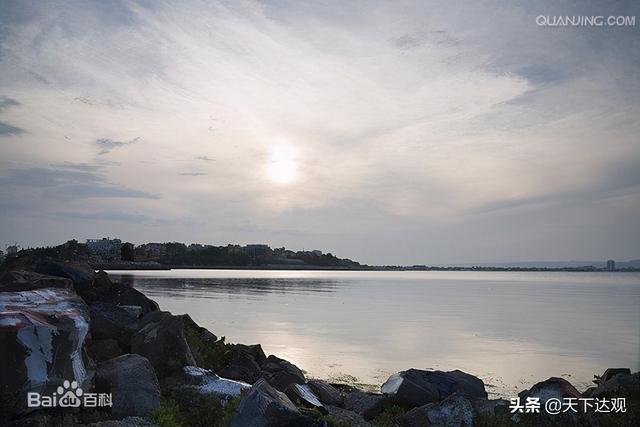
(286, 267)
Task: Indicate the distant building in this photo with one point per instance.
(107, 249)
(611, 265)
(12, 250)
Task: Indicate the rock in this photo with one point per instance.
(349, 418)
(101, 282)
(208, 382)
(101, 350)
(554, 387)
(122, 294)
(416, 387)
(22, 280)
(80, 273)
(245, 363)
(125, 422)
(455, 410)
(610, 373)
(41, 335)
(161, 339)
(109, 321)
(203, 333)
(368, 405)
(491, 407)
(131, 380)
(281, 373)
(327, 393)
(302, 395)
(264, 406)
(134, 310)
(618, 385)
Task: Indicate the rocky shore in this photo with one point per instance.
(107, 356)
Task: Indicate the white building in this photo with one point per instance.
(105, 248)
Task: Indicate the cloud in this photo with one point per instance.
(69, 182)
(6, 103)
(8, 130)
(107, 144)
(193, 173)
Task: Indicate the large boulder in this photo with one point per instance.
(245, 362)
(302, 395)
(368, 405)
(207, 382)
(42, 333)
(22, 280)
(341, 416)
(161, 339)
(80, 273)
(281, 373)
(554, 387)
(109, 321)
(621, 384)
(125, 295)
(133, 384)
(328, 394)
(455, 410)
(415, 387)
(264, 406)
(101, 350)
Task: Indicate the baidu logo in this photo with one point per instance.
(68, 395)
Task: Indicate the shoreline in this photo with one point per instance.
(284, 267)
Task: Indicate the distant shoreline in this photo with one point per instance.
(285, 267)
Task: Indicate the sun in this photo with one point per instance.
(282, 165)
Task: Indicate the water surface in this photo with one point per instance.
(512, 329)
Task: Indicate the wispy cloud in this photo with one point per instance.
(107, 144)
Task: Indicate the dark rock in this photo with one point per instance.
(122, 294)
(125, 422)
(245, 363)
(109, 321)
(281, 373)
(328, 394)
(42, 333)
(455, 410)
(203, 333)
(491, 407)
(610, 373)
(80, 273)
(207, 382)
(161, 339)
(21, 280)
(346, 417)
(368, 405)
(416, 387)
(618, 385)
(264, 406)
(101, 350)
(101, 282)
(554, 387)
(302, 395)
(133, 384)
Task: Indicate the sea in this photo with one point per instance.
(511, 329)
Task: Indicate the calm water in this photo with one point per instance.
(511, 329)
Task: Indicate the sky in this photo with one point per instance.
(399, 132)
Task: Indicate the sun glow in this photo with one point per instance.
(282, 166)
